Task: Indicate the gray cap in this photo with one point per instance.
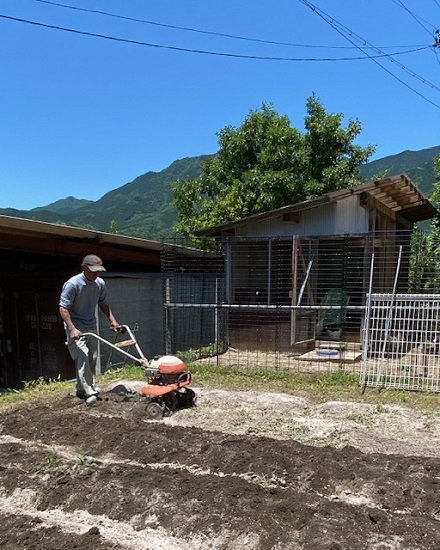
(94, 263)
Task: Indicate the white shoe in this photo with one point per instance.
(91, 401)
(97, 389)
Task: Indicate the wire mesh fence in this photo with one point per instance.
(298, 303)
(402, 347)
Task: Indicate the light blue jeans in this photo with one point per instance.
(84, 352)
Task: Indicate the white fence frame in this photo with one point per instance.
(401, 344)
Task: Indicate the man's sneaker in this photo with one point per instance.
(97, 389)
(81, 395)
(91, 400)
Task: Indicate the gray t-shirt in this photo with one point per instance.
(81, 296)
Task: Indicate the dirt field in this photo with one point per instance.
(241, 470)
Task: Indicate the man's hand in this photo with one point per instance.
(117, 327)
(75, 333)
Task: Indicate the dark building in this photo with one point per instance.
(35, 260)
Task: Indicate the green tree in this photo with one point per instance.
(424, 269)
(333, 158)
(266, 164)
(113, 227)
(435, 197)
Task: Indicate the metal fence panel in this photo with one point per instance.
(401, 346)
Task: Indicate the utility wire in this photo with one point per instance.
(344, 31)
(175, 48)
(212, 33)
(416, 17)
(334, 24)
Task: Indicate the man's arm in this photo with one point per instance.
(105, 308)
(65, 316)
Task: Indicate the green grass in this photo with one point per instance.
(86, 461)
(34, 390)
(320, 386)
(52, 460)
(128, 372)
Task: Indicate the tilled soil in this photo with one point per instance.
(241, 470)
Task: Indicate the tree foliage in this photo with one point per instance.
(266, 164)
(424, 272)
(436, 191)
(333, 159)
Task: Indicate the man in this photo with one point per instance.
(79, 297)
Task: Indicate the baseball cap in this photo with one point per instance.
(94, 263)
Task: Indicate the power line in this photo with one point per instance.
(190, 50)
(344, 31)
(416, 17)
(212, 33)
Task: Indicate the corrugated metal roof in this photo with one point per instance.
(397, 193)
(18, 234)
(20, 226)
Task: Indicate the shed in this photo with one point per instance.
(285, 266)
(35, 260)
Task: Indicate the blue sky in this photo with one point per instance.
(82, 115)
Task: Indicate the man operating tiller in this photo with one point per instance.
(79, 297)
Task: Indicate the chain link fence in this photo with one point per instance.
(298, 303)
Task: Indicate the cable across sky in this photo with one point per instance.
(94, 94)
(204, 52)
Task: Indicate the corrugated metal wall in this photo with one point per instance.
(34, 337)
(138, 303)
(343, 217)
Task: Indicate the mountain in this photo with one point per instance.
(417, 165)
(144, 207)
(50, 212)
(64, 206)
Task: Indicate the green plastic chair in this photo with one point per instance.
(333, 317)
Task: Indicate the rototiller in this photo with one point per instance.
(168, 379)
